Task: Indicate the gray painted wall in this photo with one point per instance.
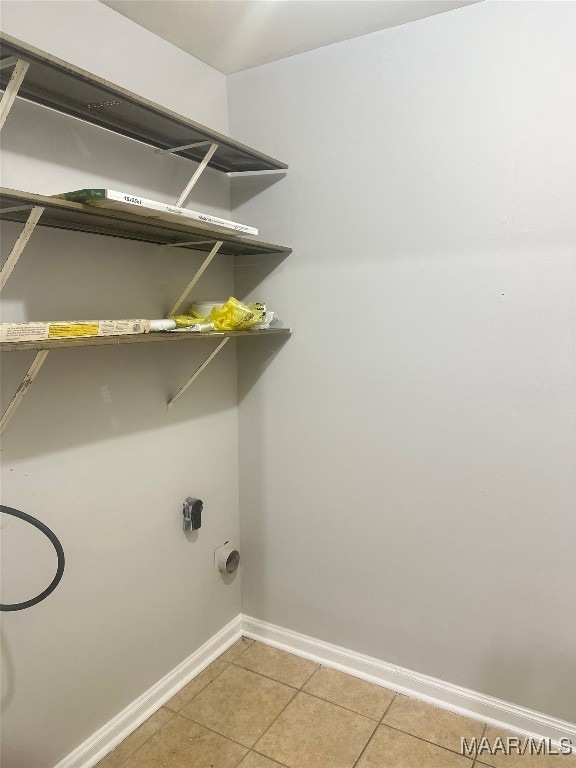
(407, 462)
(93, 450)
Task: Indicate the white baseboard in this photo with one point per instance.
(445, 695)
(116, 730)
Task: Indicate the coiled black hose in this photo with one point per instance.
(59, 551)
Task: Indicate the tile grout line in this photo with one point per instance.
(213, 730)
(318, 668)
(296, 692)
(420, 738)
(273, 721)
(314, 695)
(133, 752)
(475, 763)
(248, 645)
(261, 674)
(375, 730)
(261, 754)
(365, 747)
(380, 722)
(173, 712)
(177, 711)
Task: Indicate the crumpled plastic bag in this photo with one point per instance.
(233, 315)
(187, 321)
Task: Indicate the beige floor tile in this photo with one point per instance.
(136, 739)
(253, 760)
(239, 704)
(522, 761)
(279, 665)
(431, 723)
(393, 749)
(312, 733)
(365, 698)
(184, 744)
(196, 685)
(235, 650)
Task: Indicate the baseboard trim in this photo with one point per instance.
(442, 694)
(116, 730)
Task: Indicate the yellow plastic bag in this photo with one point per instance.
(185, 321)
(233, 315)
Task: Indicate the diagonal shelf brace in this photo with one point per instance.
(9, 61)
(185, 146)
(23, 388)
(20, 244)
(20, 69)
(199, 171)
(198, 371)
(181, 245)
(195, 279)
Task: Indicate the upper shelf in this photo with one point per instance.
(62, 214)
(61, 86)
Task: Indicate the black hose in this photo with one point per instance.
(59, 551)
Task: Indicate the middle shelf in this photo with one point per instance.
(61, 214)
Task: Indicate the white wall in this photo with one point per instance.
(93, 450)
(407, 462)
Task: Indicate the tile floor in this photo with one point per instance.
(258, 707)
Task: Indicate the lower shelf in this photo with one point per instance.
(143, 338)
(42, 349)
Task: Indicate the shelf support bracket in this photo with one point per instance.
(184, 244)
(23, 388)
(196, 277)
(20, 69)
(185, 146)
(198, 371)
(20, 244)
(199, 171)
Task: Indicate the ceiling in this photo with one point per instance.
(232, 35)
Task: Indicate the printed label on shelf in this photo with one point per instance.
(70, 330)
(64, 330)
(23, 331)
